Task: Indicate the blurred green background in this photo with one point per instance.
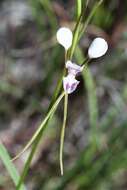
(31, 63)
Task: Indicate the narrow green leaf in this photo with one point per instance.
(37, 139)
(75, 37)
(40, 127)
(9, 166)
(91, 90)
(81, 27)
(79, 8)
(92, 97)
(63, 133)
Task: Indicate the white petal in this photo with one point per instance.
(64, 37)
(98, 48)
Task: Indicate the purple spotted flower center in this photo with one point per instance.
(69, 82)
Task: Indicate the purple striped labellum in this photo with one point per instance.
(69, 82)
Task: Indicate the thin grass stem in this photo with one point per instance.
(40, 127)
(63, 133)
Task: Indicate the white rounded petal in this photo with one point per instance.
(64, 37)
(98, 48)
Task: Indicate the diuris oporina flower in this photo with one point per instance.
(69, 82)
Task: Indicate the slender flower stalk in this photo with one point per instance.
(51, 111)
(97, 49)
(65, 38)
(63, 133)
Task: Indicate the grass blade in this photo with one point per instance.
(63, 132)
(37, 140)
(40, 127)
(92, 103)
(79, 8)
(75, 37)
(80, 27)
(9, 166)
(92, 97)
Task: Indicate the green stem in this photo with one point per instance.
(63, 133)
(37, 140)
(92, 98)
(12, 171)
(80, 28)
(26, 168)
(40, 127)
(39, 134)
(79, 8)
(59, 84)
(75, 37)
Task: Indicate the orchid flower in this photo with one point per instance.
(69, 82)
(73, 68)
(97, 49)
(69, 41)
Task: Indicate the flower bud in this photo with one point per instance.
(98, 48)
(64, 37)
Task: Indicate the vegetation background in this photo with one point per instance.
(31, 63)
